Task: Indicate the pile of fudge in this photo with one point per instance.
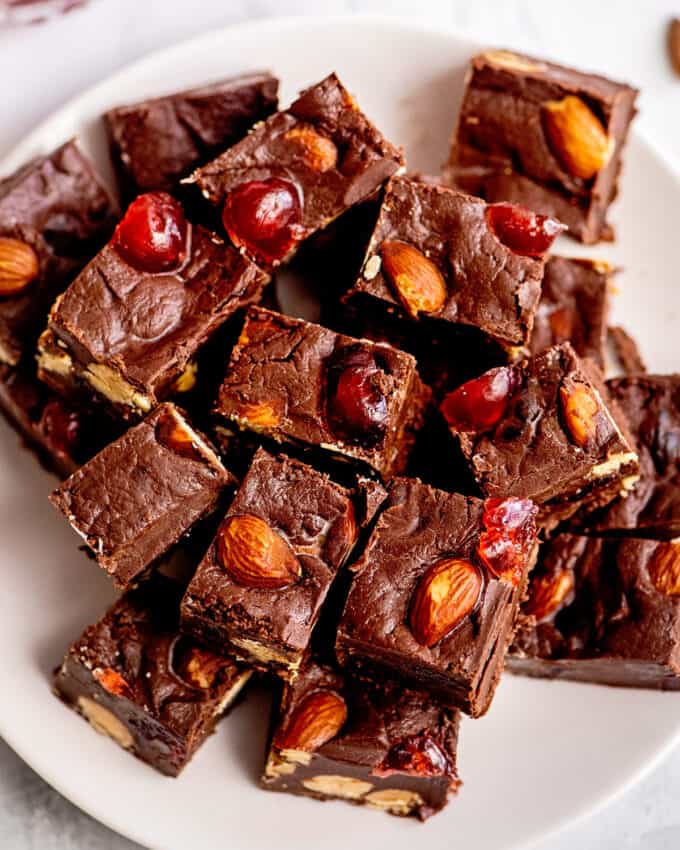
(376, 513)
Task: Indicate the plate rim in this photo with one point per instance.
(22, 150)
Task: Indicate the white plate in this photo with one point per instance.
(547, 753)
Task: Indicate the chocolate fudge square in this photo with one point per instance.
(156, 142)
(369, 743)
(133, 677)
(544, 430)
(651, 404)
(436, 592)
(258, 591)
(299, 383)
(142, 493)
(297, 172)
(574, 307)
(62, 436)
(55, 214)
(440, 254)
(127, 331)
(603, 610)
(544, 136)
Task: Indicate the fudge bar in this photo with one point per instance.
(305, 385)
(62, 436)
(156, 142)
(297, 171)
(134, 678)
(436, 592)
(127, 330)
(259, 589)
(370, 743)
(603, 610)
(651, 404)
(54, 216)
(544, 430)
(142, 493)
(574, 307)
(542, 135)
(440, 254)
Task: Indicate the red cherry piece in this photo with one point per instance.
(152, 235)
(509, 536)
(263, 216)
(523, 231)
(60, 425)
(418, 754)
(480, 404)
(356, 406)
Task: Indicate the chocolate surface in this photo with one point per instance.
(134, 677)
(365, 159)
(651, 404)
(271, 627)
(57, 205)
(573, 307)
(532, 451)
(276, 384)
(156, 142)
(372, 752)
(138, 496)
(488, 286)
(501, 150)
(600, 616)
(418, 527)
(142, 329)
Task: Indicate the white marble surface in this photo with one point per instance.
(46, 65)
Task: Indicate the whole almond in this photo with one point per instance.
(317, 719)
(112, 682)
(444, 597)
(18, 265)
(319, 152)
(576, 136)
(581, 411)
(419, 283)
(664, 568)
(547, 593)
(255, 555)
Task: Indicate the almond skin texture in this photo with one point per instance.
(112, 682)
(444, 597)
(548, 593)
(664, 568)
(317, 719)
(576, 136)
(18, 265)
(318, 151)
(418, 282)
(580, 409)
(255, 555)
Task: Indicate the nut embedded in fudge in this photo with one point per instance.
(128, 328)
(302, 384)
(63, 436)
(651, 405)
(544, 136)
(142, 493)
(258, 591)
(574, 307)
(134, 678)
(436, 592)
(298, 171)
(55, 214)
(544, 430)
(437, 253)
(603, 610)
(370, 743)
(156, 142)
